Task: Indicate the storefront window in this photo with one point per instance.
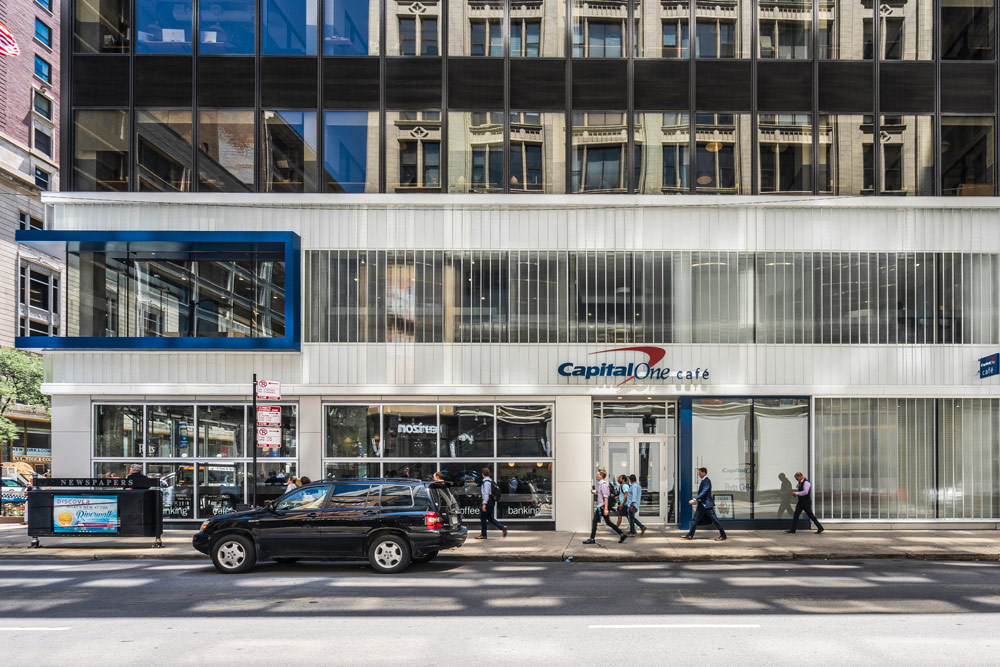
(410, 431)
(111, 469)
(351, 470)
(352, 430)
(466, 478)
(118, 430)
(220, 488)
(170, 431)
(524, 430)
(220, 430)
(781, 427)
(272, 478)
(176, 485)
(466, 430)
(410, 469)
(527, 490)
(635, 418)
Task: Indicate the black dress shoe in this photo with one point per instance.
(589, 542)
(790, 531)
(622, 538)
(819, 531)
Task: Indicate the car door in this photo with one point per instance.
(351, 512)
(292, 526)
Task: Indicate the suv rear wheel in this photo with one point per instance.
(388, 554)
(233, 554)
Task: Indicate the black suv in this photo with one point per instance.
(391, 522)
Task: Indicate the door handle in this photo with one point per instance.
(312, 515)
(370, 513)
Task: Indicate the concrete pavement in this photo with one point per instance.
(659, 544)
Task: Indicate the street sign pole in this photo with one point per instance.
(253, 472)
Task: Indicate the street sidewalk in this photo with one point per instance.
(659, 544)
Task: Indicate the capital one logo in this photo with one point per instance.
(647, 369)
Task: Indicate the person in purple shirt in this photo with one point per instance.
(601, 495)
(804, 504)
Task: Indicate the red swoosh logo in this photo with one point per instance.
(655, 354)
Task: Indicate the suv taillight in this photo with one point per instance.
(433, 521)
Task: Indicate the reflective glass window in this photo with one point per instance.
(43, 33)
(227, 26)
(163, 150)
(785, 28)
(349, 495)
(43, 70)
(722, 159)
(176, 483)
(475, 151)
(476, 29)
(423, 470)
(413, 28)
(537, 29)
(413, 151)
(410, 430)
(352, 470)
(968, 159)
(111, 469)
(785, 152)
(662, 145)
(466, 478)
(288, 160)
(599, 146)
(907, 145)
(225, 150)
(100, 150)
(220, 430)
(221, 487)
(272, 479)
(478, 307)
(967, 28)
(350, 151)
(41, 104)
(906, 30)
(527, 490)
(846, 154)
(524, 430)
(352, 430)
(845, 31)
(313, 497)
(170, 431)
(350, 27)
(288, 27)
(163, 26)
(664, 27)
(537, 152)
(721, 442)
(118, 430)
(467, 430)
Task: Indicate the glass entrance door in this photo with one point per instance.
(648, 458)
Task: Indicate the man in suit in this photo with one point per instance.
(804, 494)
(705, 507)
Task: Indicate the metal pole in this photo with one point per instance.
(253, 472)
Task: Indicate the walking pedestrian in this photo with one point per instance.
(601, 494)
(634, 496)
(705, 507)
(622, 509)
(804, 494)
(489, 493)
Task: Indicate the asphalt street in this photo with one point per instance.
(882, 612)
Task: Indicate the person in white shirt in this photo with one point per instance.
(804, 504)
(601, 494)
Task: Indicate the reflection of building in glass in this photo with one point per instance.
(785, 153)
(600, 140)
(413, 28)
(599, 28)
(413, 158)
(722, 159)
(785, 29)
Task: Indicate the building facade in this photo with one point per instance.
(444, 231)
(29, 150)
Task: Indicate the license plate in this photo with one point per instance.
(454, 521)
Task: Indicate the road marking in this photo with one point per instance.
(637, 626)
(34, 629)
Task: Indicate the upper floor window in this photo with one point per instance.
(227, 26)
(44, 4)
(967, 30)
(25, 221)
(43, 33)
(163, 26)
(487, 38)
(593, 38)
(43, 70)
(42, 105)
(418, 35)
(288, 27)
(43, 141)
(42, 178)
(675, 38)
(525, 38)
(101, 27)
(350, 28)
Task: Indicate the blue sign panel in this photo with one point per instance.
(989, 366)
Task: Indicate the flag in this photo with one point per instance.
(8, 45)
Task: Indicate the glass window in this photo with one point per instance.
(42, 105)
(967, 28)
(43, 33)
(352, 430)
(846, 154)
(395, 495)
(100, 151)
(537, 152)
(527, 490)
(118, 430)
(350, 157)
(170, 431)
(220, 430)
(101, 26)
(475, 151)
(163, 150)
(227, 26)
(784, 29)
(599, 146)
(781, 437)
(350, 495)
(43, 70)
(967, 156)
(176, 482)
(466, 430)
(600, 35)
(537, 29)
(715, 37)
(42, 178)
(906, 30)
(722, 161)
(785, 152)
(288, 27)
(272, 478)
(43, 142)
(479, 305)
(674, 41)
(845, 30)
(413, 146)
(476, 29)
(221, 487)
(163, 26)
(967, 486)
(44, 4)
(350, 27)
(720, 443)
(907, 144)
(662, 146)
(410, 431)
(352, 470)
(225, 150)
(622, 418)
(288, 162)
(111, 469)
(312, 497)
(413, 29)
(524, 430)
(967, 307)
(466, 478)
(289, 435)
(410, 469)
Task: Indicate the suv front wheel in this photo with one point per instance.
(234, 554)
(389, 554)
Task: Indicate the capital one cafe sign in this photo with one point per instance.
(648, 366)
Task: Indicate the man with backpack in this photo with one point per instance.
(605, 502)
(490, 496)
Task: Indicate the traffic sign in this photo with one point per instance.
(268, 415)
(269, 390)
(268, 437)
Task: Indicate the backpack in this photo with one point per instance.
(613, 497)
(495, 491)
